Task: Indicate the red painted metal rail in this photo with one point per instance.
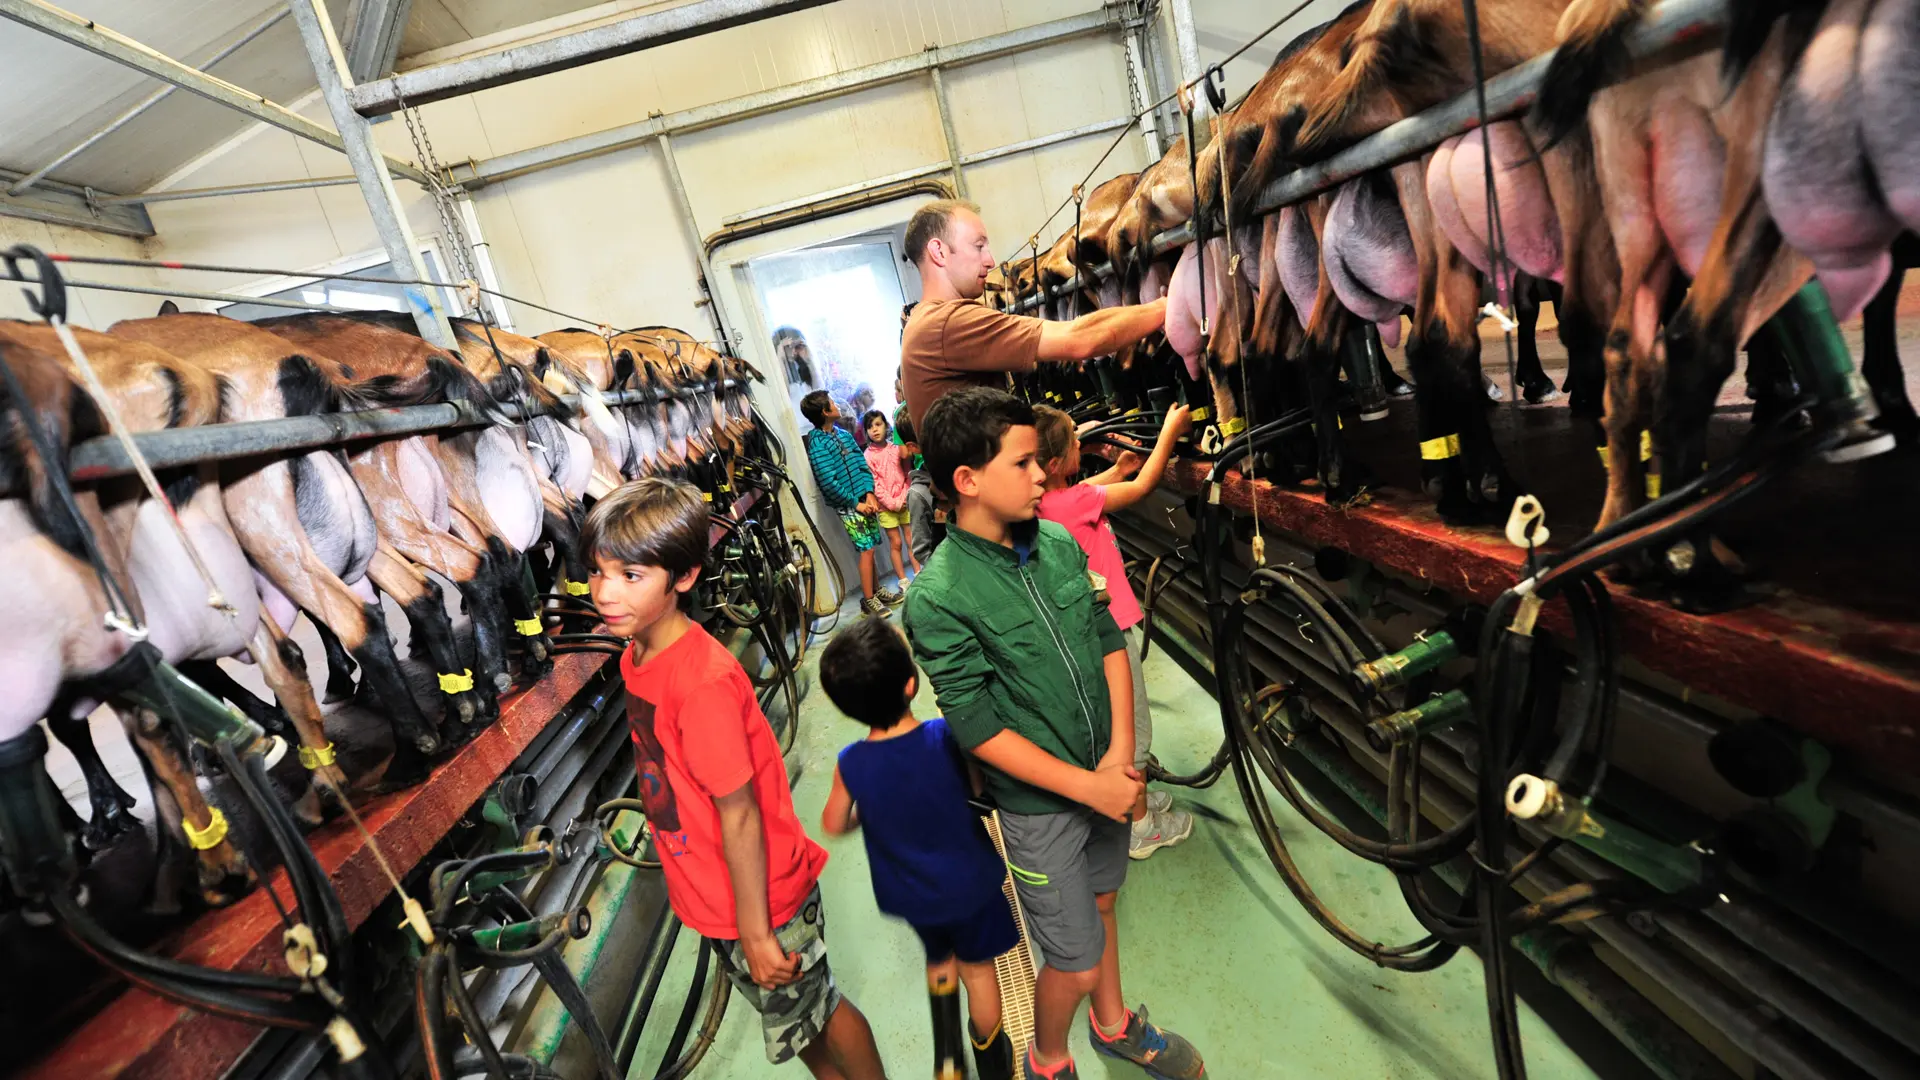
(143, 1036)
(1848, 680)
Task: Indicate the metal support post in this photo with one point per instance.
(946, 131)
(692, 225)
(1145, 87)
(1187, 45)
(180, 194)
(383, 203)
(141, 107)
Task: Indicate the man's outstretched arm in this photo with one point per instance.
(1101, 332)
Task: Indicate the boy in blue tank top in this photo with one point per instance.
(906, 787)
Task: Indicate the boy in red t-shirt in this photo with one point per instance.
(739, 867)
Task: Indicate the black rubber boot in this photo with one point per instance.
(949, 1061)
(993, 1059)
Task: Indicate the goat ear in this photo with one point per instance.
(169, 308)
(542, 363)
(622, 368)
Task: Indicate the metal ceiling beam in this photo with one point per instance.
(121, 49)
(145, 198)
(374, 31)
(55, 203)
(807, 91)
(457, 77)
(142, 106)
(376, 186)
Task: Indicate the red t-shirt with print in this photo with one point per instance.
(698, 733)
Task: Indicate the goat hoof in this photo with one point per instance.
(426, 744)
(502, 682)
(221, 885)
(464, 709)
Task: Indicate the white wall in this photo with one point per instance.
(84, 307)
(602, 238)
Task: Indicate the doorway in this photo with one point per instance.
(833, 315)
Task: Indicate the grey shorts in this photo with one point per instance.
(1142, 710)
(1060, 862)
(794, 1015)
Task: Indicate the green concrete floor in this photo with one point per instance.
(1212, 942)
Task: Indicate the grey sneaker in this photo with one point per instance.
(1158, 830)
(1159, 1052)
(889, 596)
(1029, 1070)
(873, 605)
(1159, 802)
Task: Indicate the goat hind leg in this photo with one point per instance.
(110, 803)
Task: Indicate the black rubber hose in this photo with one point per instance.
(476, 1026)
(684, 1026)
(429, 1014)
(567, 989)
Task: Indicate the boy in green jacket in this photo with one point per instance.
(1031, 672)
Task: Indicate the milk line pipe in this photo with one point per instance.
(1670, 26)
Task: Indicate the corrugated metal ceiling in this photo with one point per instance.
(57, 94)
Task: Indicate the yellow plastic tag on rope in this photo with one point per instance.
(1604, 459)
(1135, 411)
(1440, 449)
(575, 588)
(1233, 427)
(706, 496)
(314, 759)
(1646, 446)
(456, 684)
(209, 837)
(1653, 485)
(528, 627)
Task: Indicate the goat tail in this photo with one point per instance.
(1365, 72)
(1592, 54)
(1751, 23)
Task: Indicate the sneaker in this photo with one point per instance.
(1030, 1069)
(888, 596)
(1158, 830)
(873, 605)
(1159, 802)
(1158, 1051)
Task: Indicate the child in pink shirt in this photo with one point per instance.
(1082, 508)
(888, 460)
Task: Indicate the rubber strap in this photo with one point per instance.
(456, 684)
(575, 588)
(1199, 414)
(1440, 449)
(314, 759)
(528, 627)
(209, 837)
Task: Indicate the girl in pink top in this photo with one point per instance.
(888, 460)
(1082, 508)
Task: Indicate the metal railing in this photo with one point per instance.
(1671, 30)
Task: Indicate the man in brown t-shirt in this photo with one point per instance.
(953, 341)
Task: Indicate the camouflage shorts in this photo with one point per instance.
(862, 528)
(794, 1015)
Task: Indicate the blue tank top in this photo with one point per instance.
(931, 860)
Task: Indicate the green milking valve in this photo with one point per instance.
(1806, 331)
(1395, 670)
(516, 936)
(205, 717)
(1429, 716)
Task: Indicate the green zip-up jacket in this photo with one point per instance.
(1015, 639)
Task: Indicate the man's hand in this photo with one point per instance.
(1115, 791)
(769, 964)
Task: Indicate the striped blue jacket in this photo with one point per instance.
(839, 466)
